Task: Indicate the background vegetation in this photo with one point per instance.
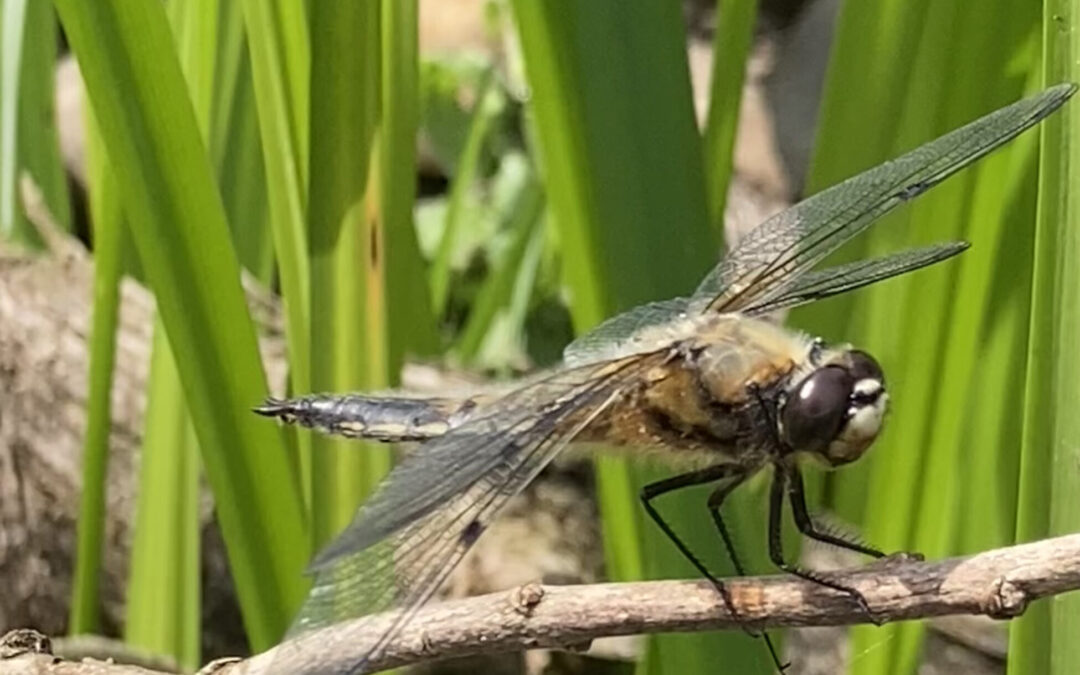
(279, 137)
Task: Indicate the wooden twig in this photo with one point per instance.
(998, 583)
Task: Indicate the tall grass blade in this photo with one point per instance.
(409, 318)
(988, 432)
(731, 46)
(13, 25)
(399, 310)
(1059, 217)
(164, 586)
(135, 86)
(236, 148)
(36, 149)
(348, 327)
(277, 37)
(110, 242)
(1044, 639)
(992, 44)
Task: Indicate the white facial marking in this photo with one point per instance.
(865, 421)
(862, 427)
(867, 387)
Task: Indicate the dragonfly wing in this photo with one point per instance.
(408, 537)
(843, 278)
(622, 334)
(770, 257)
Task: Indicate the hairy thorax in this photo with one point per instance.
(695, 405)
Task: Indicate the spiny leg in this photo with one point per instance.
(806, 525)
(776, 547)
(720, 472)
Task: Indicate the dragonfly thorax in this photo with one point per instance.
(836, 411)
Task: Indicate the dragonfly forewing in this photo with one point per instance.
(783, 248)
(639, 330)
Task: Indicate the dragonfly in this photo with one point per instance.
(708, 383)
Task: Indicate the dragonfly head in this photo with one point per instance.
(835, 412)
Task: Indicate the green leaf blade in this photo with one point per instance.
(1044, 639)
(149, 127)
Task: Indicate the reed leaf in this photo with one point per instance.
(136, 87)
(110, 242)
(1044, 639)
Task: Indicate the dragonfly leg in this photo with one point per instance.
(806, 525)
(661, 487)
(776, 547)
(732, 475)
(716, 499)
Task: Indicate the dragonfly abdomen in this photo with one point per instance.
(388, 419)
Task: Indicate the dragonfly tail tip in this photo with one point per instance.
(272, 407)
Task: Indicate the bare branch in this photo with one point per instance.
(998, 583)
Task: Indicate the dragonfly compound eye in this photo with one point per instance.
(864, 367)
(815, 412)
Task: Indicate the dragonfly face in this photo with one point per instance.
(837, 410)
(704, 380)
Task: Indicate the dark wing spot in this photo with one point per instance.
(472, 532)
(510, 449)
(914, 190)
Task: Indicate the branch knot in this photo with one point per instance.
(1006, 599)
(526, 598)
